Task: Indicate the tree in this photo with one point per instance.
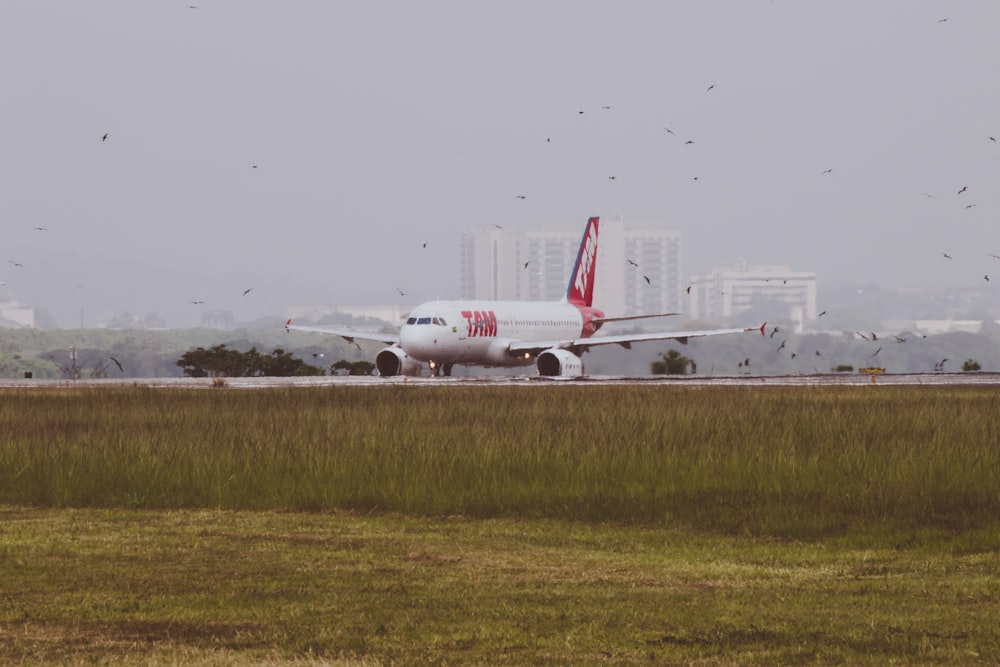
(353, 367)
(220, 361)
(671, 363)
(971, 365)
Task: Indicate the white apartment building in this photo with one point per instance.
(639, 267)
(488, 265)
(771, 290)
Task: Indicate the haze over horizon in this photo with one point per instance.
(308, 150)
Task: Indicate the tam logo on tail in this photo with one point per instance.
(581, 284)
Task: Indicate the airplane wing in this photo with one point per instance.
(347, 334)
(579, 345)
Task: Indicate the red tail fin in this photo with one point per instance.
(581, 284)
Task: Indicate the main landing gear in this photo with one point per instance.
(441, 369)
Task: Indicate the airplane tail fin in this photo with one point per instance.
(581, 283)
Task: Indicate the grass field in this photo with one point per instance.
(559, 525)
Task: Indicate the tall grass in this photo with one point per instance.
(783, 461)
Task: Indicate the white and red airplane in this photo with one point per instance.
(551, 335)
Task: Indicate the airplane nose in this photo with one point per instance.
(418, 341)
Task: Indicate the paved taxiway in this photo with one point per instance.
(832, 379)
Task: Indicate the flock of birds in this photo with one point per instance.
(962, 192)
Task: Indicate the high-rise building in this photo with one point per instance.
(488, 265)
(546, 262)
(639, 267)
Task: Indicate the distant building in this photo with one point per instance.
(488, 265)
(546, 261)
(770, 290)
(535, 266)
(14, 314)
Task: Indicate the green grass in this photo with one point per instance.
(788, 462)
(228, 587)
(509, 525)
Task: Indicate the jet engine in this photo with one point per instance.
(557, 362)
(393, 361)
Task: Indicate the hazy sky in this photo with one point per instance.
(378, 126)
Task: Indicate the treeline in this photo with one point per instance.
(106, 353)
(219, 360)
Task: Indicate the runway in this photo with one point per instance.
(820, 380)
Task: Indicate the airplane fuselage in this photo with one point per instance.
(551, 335)
(480, 332)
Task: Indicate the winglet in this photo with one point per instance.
(287, 330)
(761, 327)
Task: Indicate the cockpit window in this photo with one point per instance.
(411, 320)
(440, 321)
(424, 320)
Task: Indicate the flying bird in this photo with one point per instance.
(993, 139)
(611, 178)
(647, 279)
(710, 88)
(197, 302)
(247, 291)
(521, 197)
(876, 352)
(118, 364)
(401, 292)
(821, 315)
(689, 289)
(632, 262)
(773, 332)
(105, 137)
(993, 256)
(424, 245)
(827, 171)
(969, 206)
(669, 131)
(526, 263)
(987, 277)
(862, 335)
(946, 255)
(41, 229)
(782, 346)
(688, 142)
(964, 188)
(15, 263)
